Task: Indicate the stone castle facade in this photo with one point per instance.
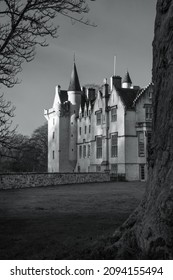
(100, 129)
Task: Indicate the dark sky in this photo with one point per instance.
(125, 28)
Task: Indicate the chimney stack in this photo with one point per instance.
(115, 81)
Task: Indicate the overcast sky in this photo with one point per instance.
(125, 28)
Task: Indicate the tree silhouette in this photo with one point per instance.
(24, 24)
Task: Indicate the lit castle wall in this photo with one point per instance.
(100, 129)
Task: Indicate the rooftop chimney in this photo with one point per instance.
(115, 81)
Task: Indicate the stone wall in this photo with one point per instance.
(26, 180)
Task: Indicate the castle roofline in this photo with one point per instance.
(128, 96)
(142, 91)
(127, 78)
(74, 81)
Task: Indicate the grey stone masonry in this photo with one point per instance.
(27, 180)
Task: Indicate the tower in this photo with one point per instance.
(127, 83)
(74, 98)
(62, 126)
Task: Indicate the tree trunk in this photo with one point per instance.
(148, 233)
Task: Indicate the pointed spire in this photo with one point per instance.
(127, 78)
(74, 81)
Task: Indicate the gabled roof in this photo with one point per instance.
(63, 96)
(127, 78)
(74, 81)
(141, 92)
(128, 96)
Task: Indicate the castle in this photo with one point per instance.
(100, 129)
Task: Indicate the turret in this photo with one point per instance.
(127, 83)
(74, 90)
(74, 97)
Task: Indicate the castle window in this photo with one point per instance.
(53, 154)
(113, 114)
(53, 135)
(80, 130)
(99, 147)
(53, 121)
(89, 128)
(80, 151)
(84, 151)
(98, 118)
(89, 151)
(141, 150)
(85, 129)
(148, 113)
(114, 145)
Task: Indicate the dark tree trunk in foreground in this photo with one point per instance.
(148, 233)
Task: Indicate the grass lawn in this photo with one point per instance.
(62, 222)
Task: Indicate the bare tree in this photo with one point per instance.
(6, 132)
(26, 24)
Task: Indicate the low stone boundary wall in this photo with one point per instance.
(27, 180)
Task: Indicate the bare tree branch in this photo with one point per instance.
(26, 24)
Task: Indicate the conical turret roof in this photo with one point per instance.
(127, 78)
(74, 81)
